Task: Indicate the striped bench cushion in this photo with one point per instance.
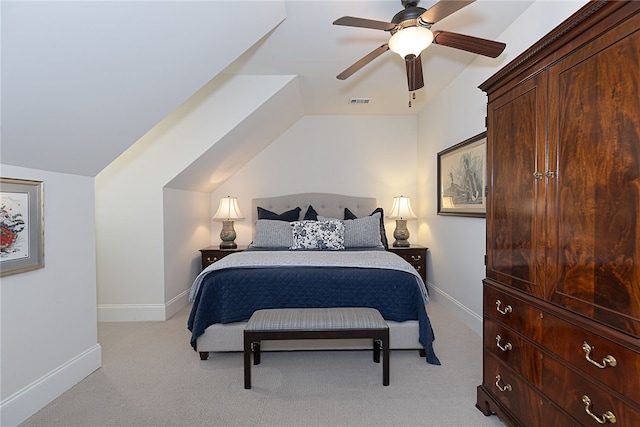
(312, 319)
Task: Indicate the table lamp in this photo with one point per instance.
(228, 211)
(401, 212)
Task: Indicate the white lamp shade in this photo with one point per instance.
(228, 209)
(410, 41)
(402, 209)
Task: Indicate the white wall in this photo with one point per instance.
(187, 228)
(354, 155)
(129, 194)
(48, 316)
(456, 260)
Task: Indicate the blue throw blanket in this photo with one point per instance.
(232, 291)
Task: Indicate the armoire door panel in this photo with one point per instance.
(516, 154)
(594, 210)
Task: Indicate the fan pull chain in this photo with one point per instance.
(411, 96)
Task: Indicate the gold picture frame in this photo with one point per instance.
(21, 226)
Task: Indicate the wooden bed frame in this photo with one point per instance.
(229, 337)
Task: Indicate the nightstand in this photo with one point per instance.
(212, 254)
(415, 255)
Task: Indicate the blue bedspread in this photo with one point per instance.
(233, 294)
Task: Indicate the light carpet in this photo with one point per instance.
(151, 377)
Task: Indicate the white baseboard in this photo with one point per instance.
(131, 312)
(16, 408)
(462, 312)
(142, 312)
(176, 304)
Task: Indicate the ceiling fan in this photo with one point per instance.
(411, 33)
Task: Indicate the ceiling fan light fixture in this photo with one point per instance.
(410, 41)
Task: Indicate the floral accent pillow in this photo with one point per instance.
(326, 235)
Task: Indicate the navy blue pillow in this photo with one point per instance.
(383, 234)
(311, 214)
(291, 215)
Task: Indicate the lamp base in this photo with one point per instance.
(401, 244)
(401, 234)
(228, 236)
(228, 245)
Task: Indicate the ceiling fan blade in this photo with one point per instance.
(352, 21)
(477, 45)
(442, 9)
(414, 72)
(363, 61)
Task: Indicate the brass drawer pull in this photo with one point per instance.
(507, 387)
(607, 417)
(506, 310)
(609, 360)
(416, 257)
(212, 260)
(506, 347)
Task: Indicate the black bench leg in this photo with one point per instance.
(385, 359)
(376, 350)
(247, 363)
(256, 352)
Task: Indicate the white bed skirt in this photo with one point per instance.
(229, 337)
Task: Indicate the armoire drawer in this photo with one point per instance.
(614, 365)
(513, 312)
(512, 392)
(583, 399)
(512, 349)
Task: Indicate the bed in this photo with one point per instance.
(311, 250)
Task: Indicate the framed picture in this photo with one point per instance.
(462, 178)
(21, 226)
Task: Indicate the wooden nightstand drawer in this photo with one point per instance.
(212, 254)
(415, 255)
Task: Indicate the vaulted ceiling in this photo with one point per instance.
(83, 81)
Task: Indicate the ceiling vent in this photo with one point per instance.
(359, 100)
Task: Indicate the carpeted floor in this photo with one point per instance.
(151, 377)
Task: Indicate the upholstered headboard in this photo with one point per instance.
(326, 204)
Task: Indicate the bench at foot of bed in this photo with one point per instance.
(316, 323)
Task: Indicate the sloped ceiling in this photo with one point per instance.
(83, 81)
(243, 142)
(306, 44)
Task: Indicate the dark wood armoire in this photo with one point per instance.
(562, 292)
